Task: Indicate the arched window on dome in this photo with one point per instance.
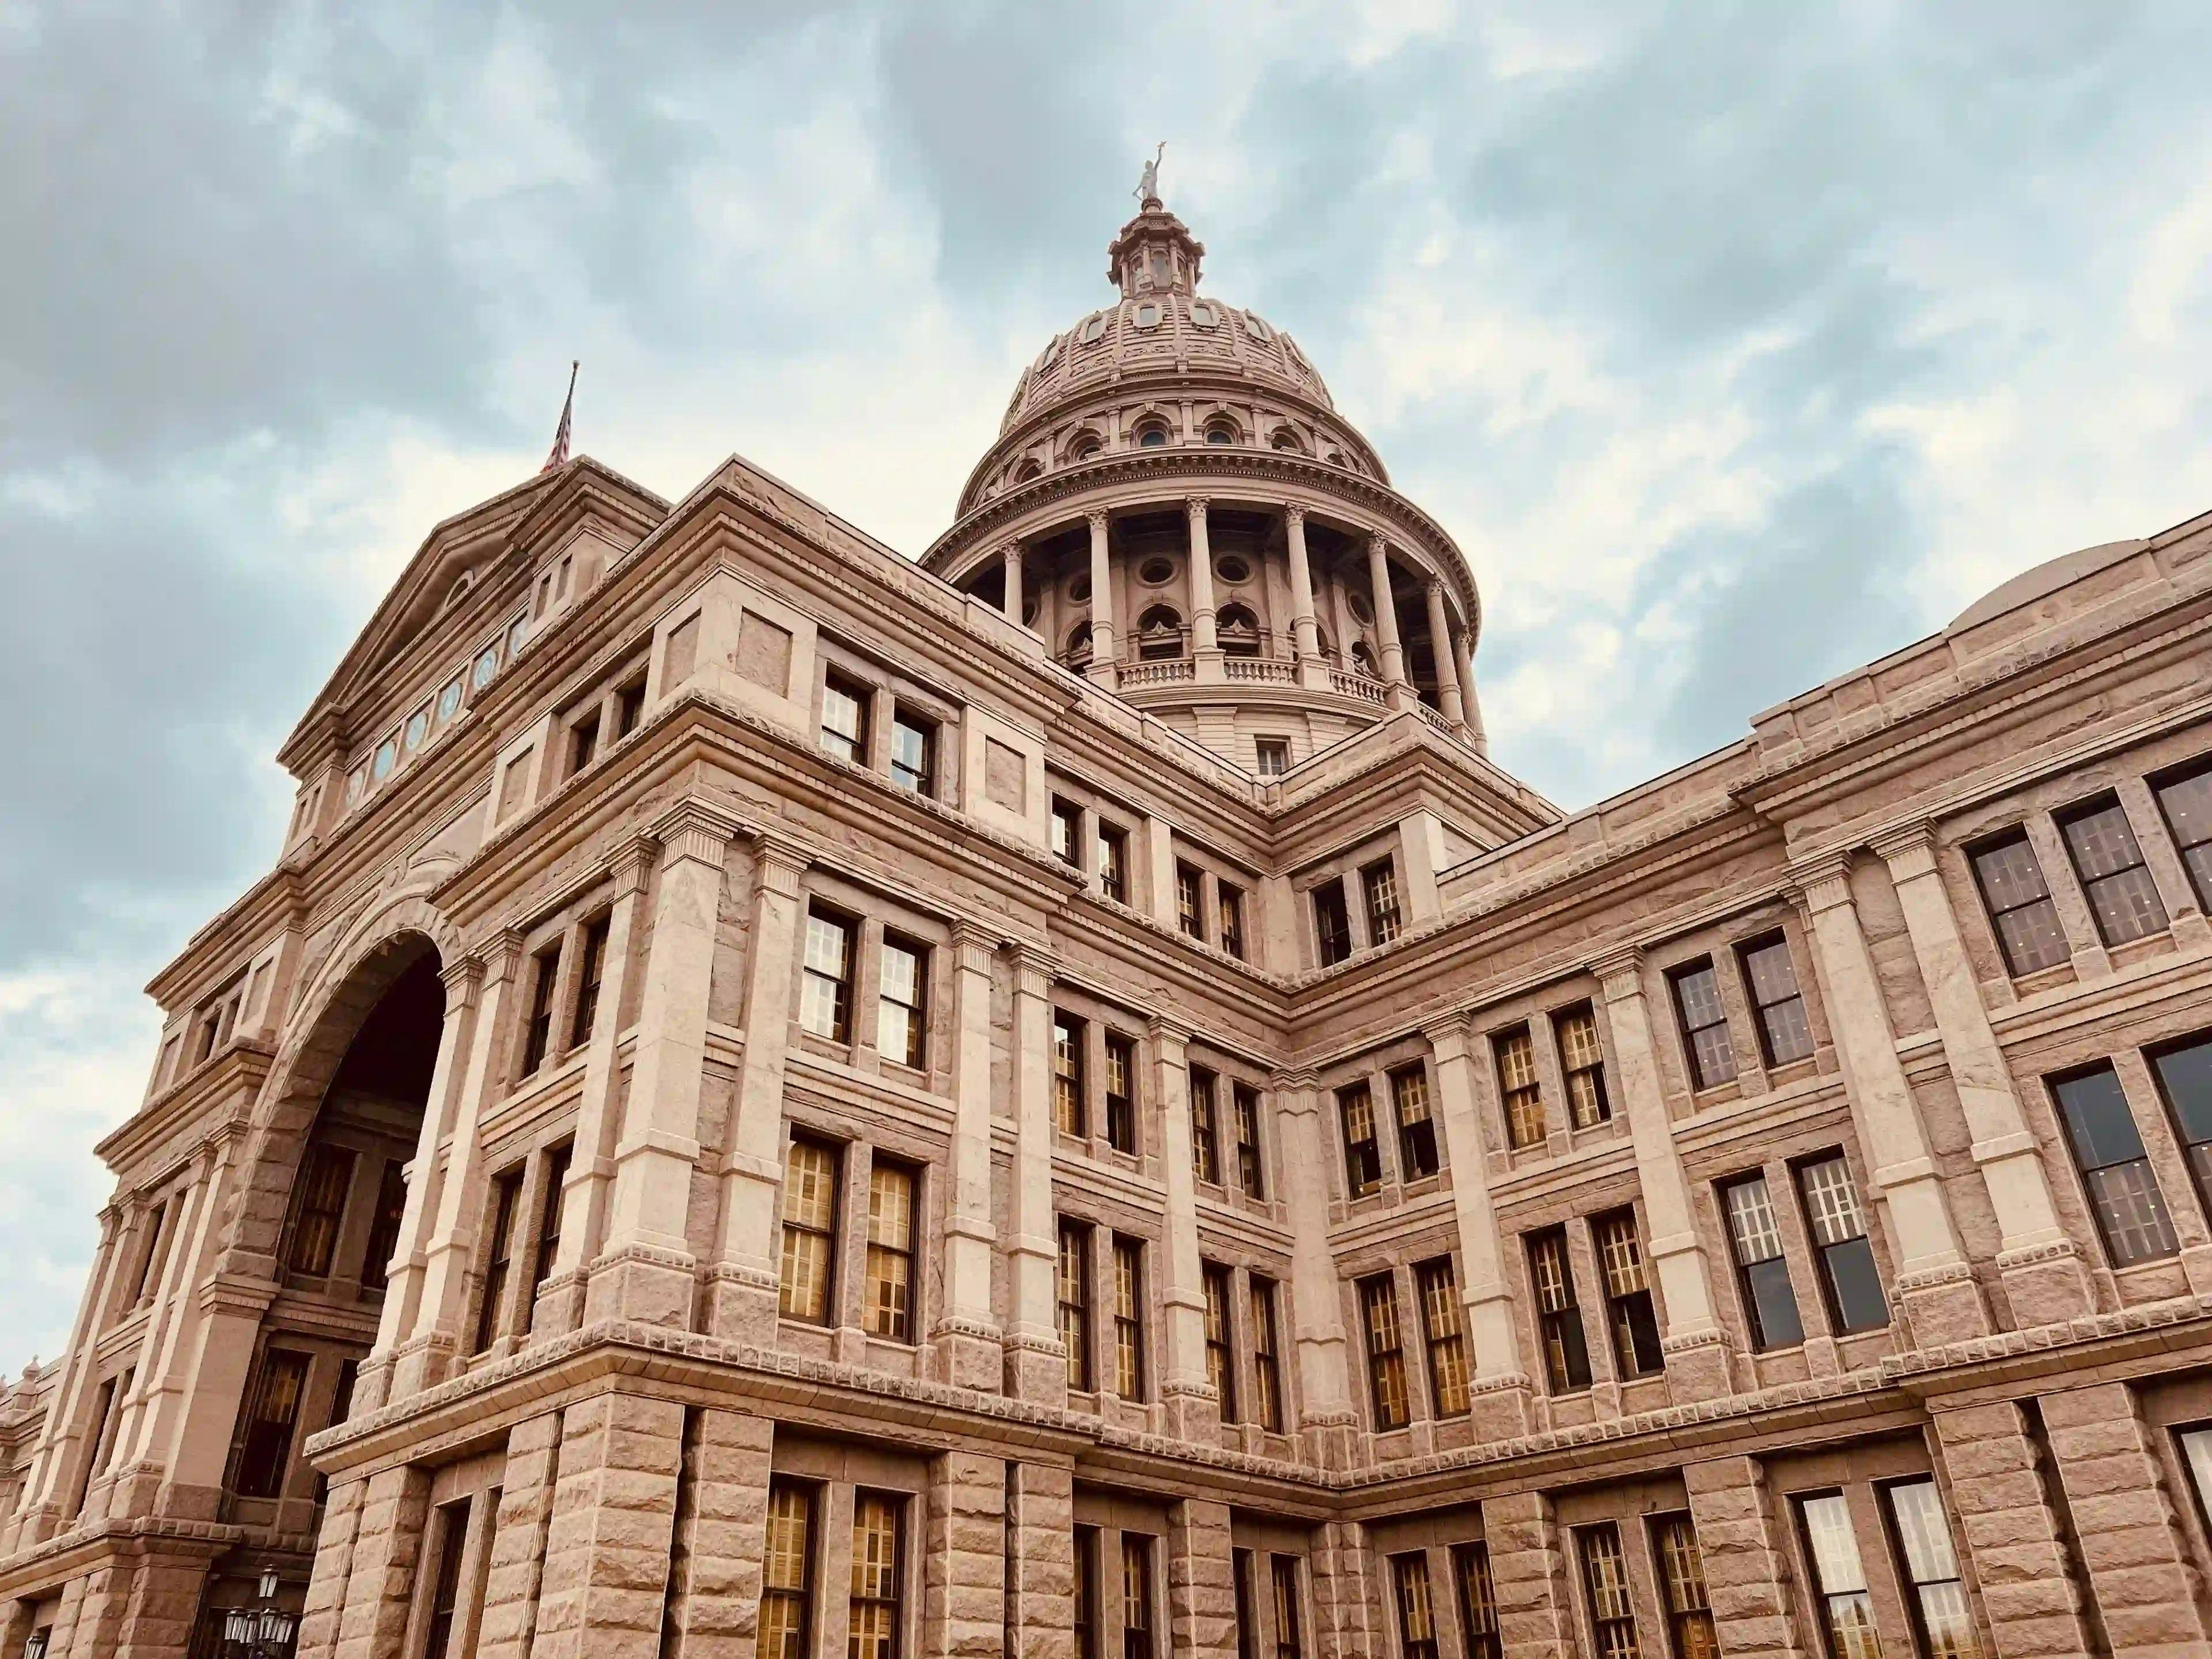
(1256, 329)
(1159, 634)
(1238, 631)
(1029, 469)
(1148, 315)
(1203, 315)
(1287, 441)
(1094, 330)
(1152, 434)
(1077, 654)
(1222, 430)
(1085, 445)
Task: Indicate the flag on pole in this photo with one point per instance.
(559, 457)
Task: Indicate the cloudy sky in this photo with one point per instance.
(1736, 344)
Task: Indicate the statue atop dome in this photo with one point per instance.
(1147, 191)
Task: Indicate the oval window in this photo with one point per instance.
(1231, 568)
(1360, 608)
(1079, 589)
(355, 784)
(487, 665)
(1152, 437)
(418, 727)
(449, 700)
(1148, 315)
(1093, 329)
(1153, 572)
(386, 752)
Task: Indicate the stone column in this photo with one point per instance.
(1440, 649)
(1349, 1617)
(515, 1578)
(434, 1338)
(613, 1514)
(1040, 1606)
(644, 1268)
(1305, 635)
(965, 1606)
(1037, 1361)
(395, 1509)
(164, 1367)
(1746, 1559)
(39, 1514)
(1201, 1581)
(1463, 659)
(1159, 853)
(1194, 1409)
(1205, 644)
(1105, 629)
(2042, 1267)
(1500, 1385)
(584, 1196)
(1941, 1300)
(1325, 1418)
(324, 1604)
(1997, 1486)
(2123, 1516)
(1012, 555)
(742, 1287)
(1528, 1577)
(970, 1346)
(1695, 1345)
(1386, 619)
(721, 1534)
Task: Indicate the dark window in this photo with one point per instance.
(1770, 1305)
(1229, 909)
(1190, 914)
(1605, 1582)
(1559, 1316)
(629, 706)
(887, 1299)
(1332, 926)
(1363, 1155)
(1086, 1593)
(2123, 1190)
(1838, 1574)
(1417, 1129)
(1704, 1024)
(265, 1452)
(1273, 755)
(1477, 1601)
(1848, 1274)
(1378, 883)
(2186, 798)
(1635, 1326)
(1683, 1588)
(1931, 1566)
(2020, 903)
(324, 1183)
(1251, 1170)
(1136, 1589)
(549, 1216)
(1417, 1617)
(384, 1231)
(1204, 1133)
(1128, 1318)
(1121, 1093)
(1386, 1352)
(1067, 832)
(1240, 1575)
(914, 751)
(341, 1409)
(1584, 1062)
(1517, 1088)
(156, 1225)
(902, 1008)
(2122, 895)
(1220, 1353)
(1784, 1034)
(872, 1618)
(1114, 863)
(1070, 1109)
(787, 1572)
(1283, 1579)
(1072, 1294)
(2184, 1078)
(825, 987)
(590, 976)
(506, 1192)
(811, 1172)
(844, 720)
(583, 742)
(538, 1035)
(1443, 1333)
(446, 1580)
(1267, 1354)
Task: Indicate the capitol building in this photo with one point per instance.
(1054, 1100)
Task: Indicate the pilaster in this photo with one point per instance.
(1380, 594)
(1035, 1358)
(1325, 1419)
(1194, 1407)
(1105, 626)
(968, 1342)
(1206, 644)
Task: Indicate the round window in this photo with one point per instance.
(1079, 589)
(1360, 608)
(385, 754)
(487, 665)
(418, 727)
(1093, 329)
(1231, 569)
(449, 700)
(1153, 572)
(1152, 437)
(1148, 315)
(1029, 610)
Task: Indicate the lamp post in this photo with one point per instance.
(262, 1632)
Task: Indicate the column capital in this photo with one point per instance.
(1099, 518)
(973, 947)
(1167, 1028)
(1909, 849)
(1297, 1080)
(1294, 514)
(695, 829)
(779, 862)
(463, 980)
(500, 955)
(1378, 546)
(1034, 967)
(1823, 880)
(1196, 505)
(1619, 971)
(1452, 1031)
(1433, 585)
(630, 862)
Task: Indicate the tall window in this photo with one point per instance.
(1267, 1354)
(1189, 916)
(1839, 1234)
(1417, 1130)
(538, 1035)
(583, 742)
(1128, 1318)
(788, 1574)
(2186, 801)
(1229, 911)
(1086, 1593)
(902, 1011)
(1939, 1596)
(1584, 1063)
(1704, 1024)
(1770, 1305)
(2020, 903)
(1283, 1579)
(2184, 1078)
(826, 990)
(1204, 1130)
(265, 1457)
(1136, 1596)
(2122, 895)
(1784, 1034)
(323, 1185)
(913, 743)
(1221, 1354)
(1605, 1581)
(1273, 755)
(1477, 1601)
(889, 1311)
(506, 1194)
(1517, 1087)
(2123, 1190)
(445, 1579)
(1838, 1577)
(1114, 863)
(1332, 923)
(1067, 832)
(810, 1230)
(1121, 1093)
(1386, 1352)
(548, 1218)
(1635, 1349)
(1441, 1330)
(1244, 1110)
(1378, 885)
(1067, 1093)
(1416, 1619)
(1071, 1298)
(1559, 1319)
(1363, 1158)
(845, 720)
(879, 1552)
(591, 974)
(384, 1231)
(1682, 1585)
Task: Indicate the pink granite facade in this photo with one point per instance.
(1052, 1100)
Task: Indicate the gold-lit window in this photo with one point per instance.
(1584, 1062)
(825, 992)
(1517, 1087)
(810, 1225)
(1441, 1328)
(1386, 1352)
(1128, 1319)
(1221, 1354)
(879, 1564)
(787, 1572)
(1071, 1295)
(1068, 1105)
(888, 1310)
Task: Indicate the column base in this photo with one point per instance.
(2047, 1284)
(422, 1362)
(743, 1304)
(1332, 1438)
(1942, 1305)
(645, 1283)
(1698, 1367)
(1036, 1371)
(371, 1384)
(1191, 1410)
(1498, 1407)
(559, 1308)
(968, 1354)
(1314, 676)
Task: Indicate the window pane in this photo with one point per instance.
(2132, 1212)
(1832, 1545)
(1855, 1285)
(2098, 1120)
(1774, 1304)
(1831, 1203)
(2185, 1074)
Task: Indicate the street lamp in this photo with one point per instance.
(262, 1632)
